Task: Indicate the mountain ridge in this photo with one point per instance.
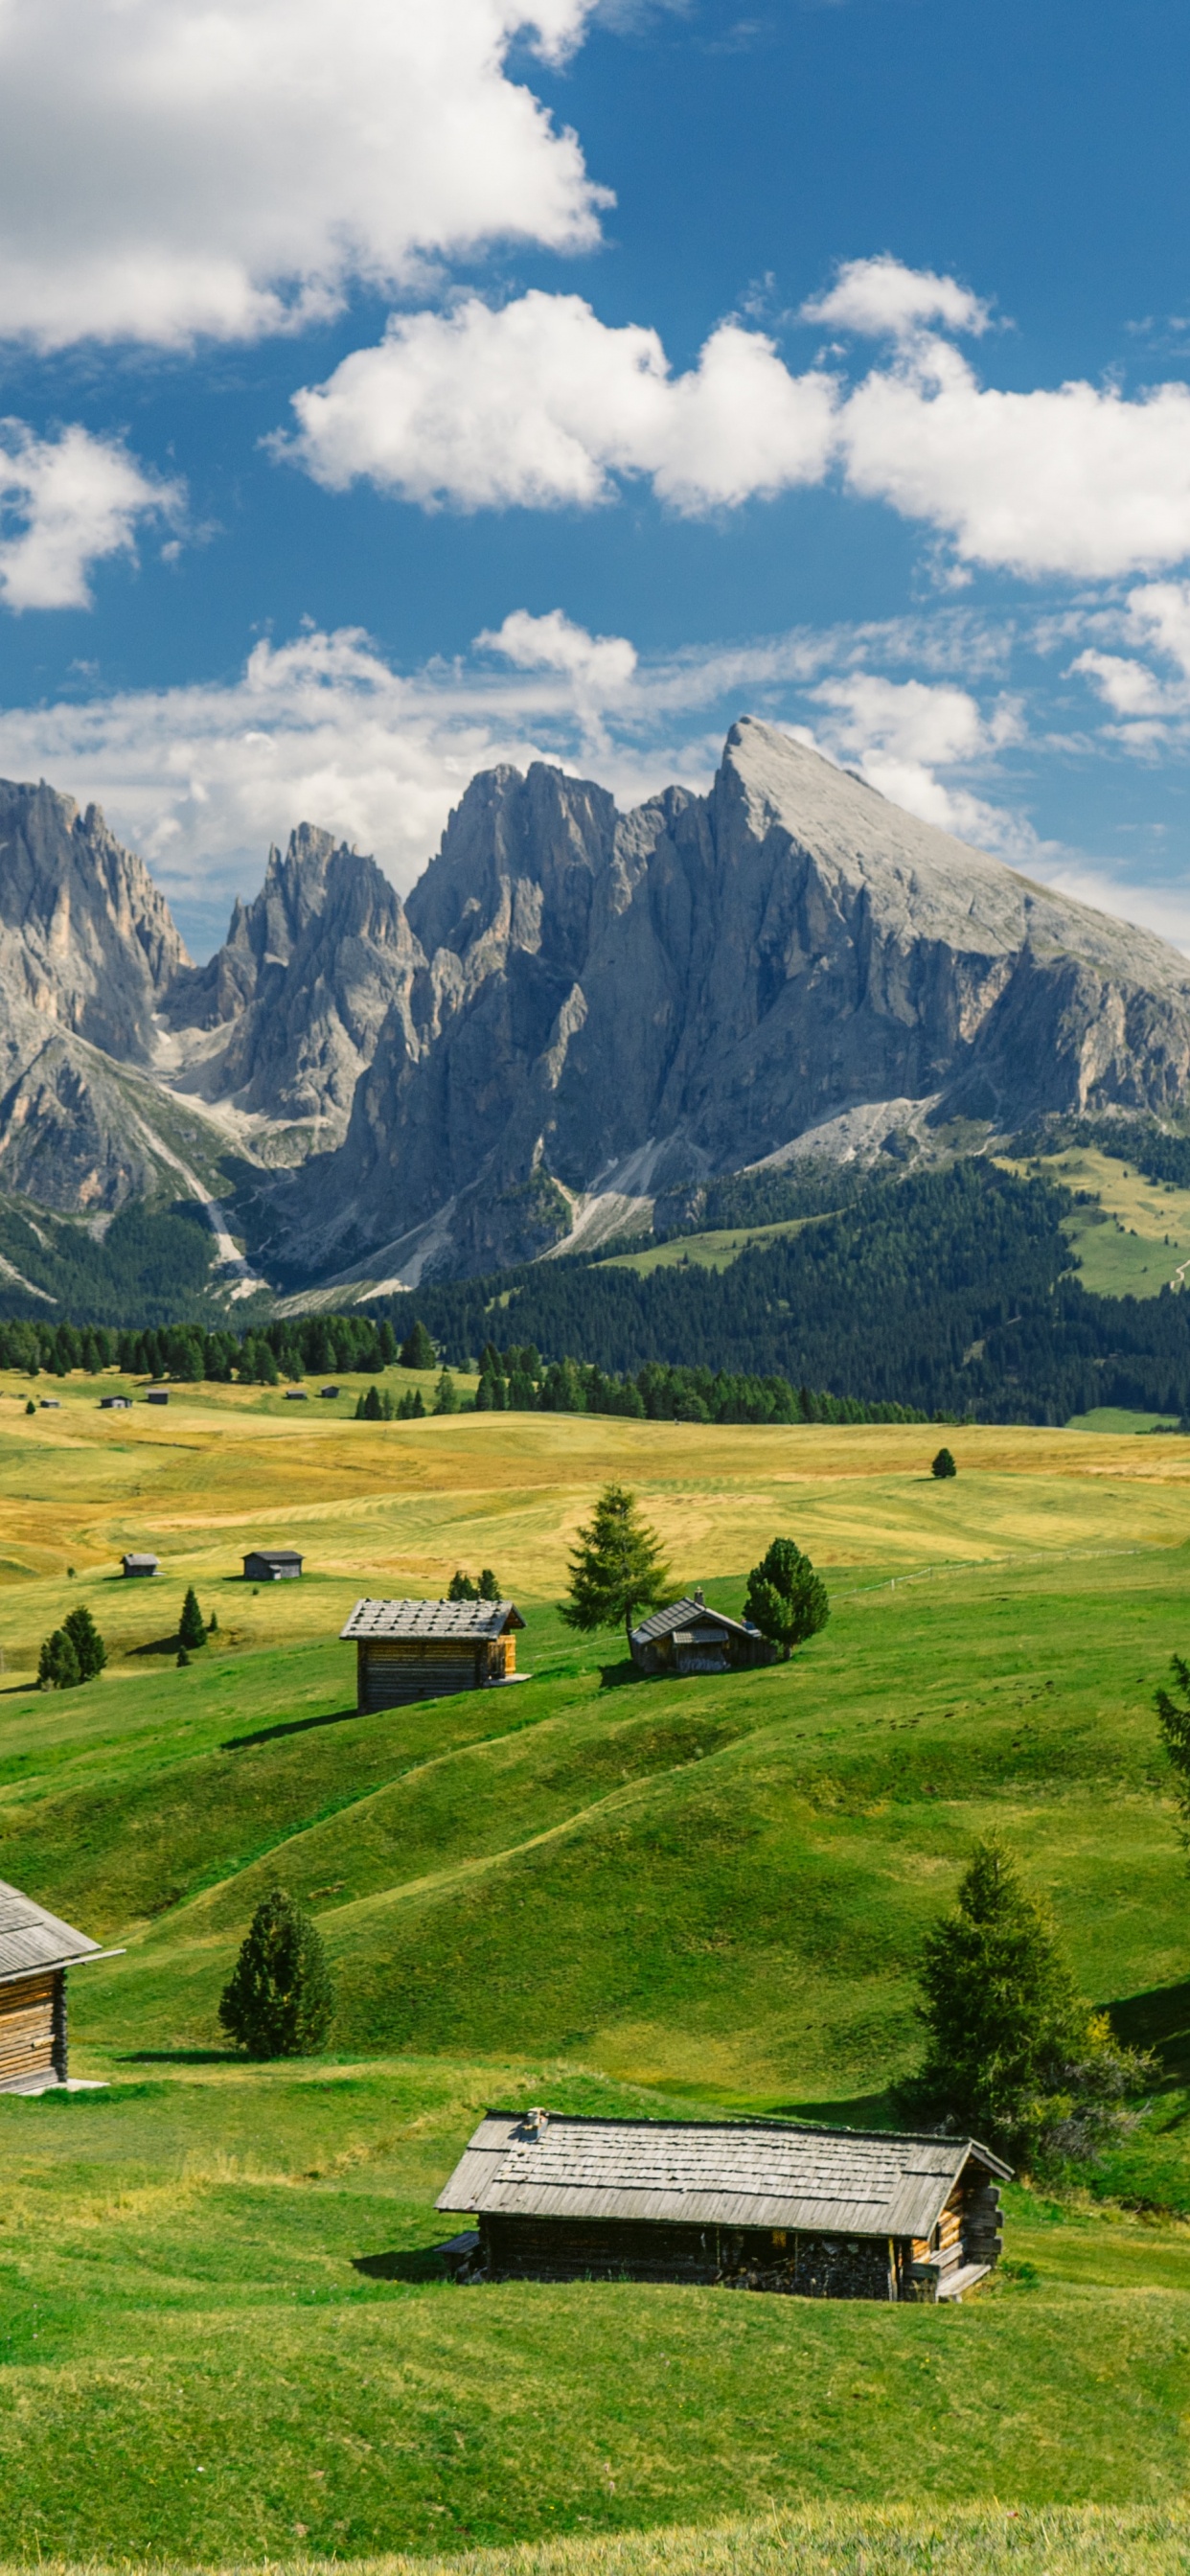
(577, 1016)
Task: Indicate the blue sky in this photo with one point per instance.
(392, 387)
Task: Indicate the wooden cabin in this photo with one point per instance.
(689, 1638)
(138, 1567)
(745, 2204)
(408, 1650)
(272, 1565)
(35, 1952)
(157, 1395)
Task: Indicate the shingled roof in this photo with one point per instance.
(471, 1621)
(31, 1938)
(690, 1612)
(731, 2173)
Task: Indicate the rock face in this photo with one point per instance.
(88, 951)
(576, 1011)
(286, 1015)
(624, 1004)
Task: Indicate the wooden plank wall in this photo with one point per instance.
(28, 2029)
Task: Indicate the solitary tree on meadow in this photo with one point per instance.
(86, 1641)
(786, 1600)
(617, 1569)
(279, 1999)
(943, 1464)
(1014, 2051)
(192, 1627)
(58, 1664)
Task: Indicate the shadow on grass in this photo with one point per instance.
(617, 1676)
(1158, 2020)
(288, 1726)
(856, 2111)
(184, 2057)
(416, 2263)
(156, 1646)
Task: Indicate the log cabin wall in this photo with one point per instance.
(33, 2030)
(392, 1671)
(738, 2258)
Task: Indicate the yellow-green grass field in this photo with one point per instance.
(715, 1250)
(1135, 1238)
(225, 2337)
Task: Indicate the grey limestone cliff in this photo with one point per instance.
(282, 1021)
(599, 1001)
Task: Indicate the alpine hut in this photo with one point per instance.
(407, 1650)
(35, 1952)
(138, 1567)
(272, 1565)
(689, 1638)
(749, 2204)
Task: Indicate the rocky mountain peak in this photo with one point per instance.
(86, 939)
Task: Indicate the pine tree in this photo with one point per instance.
(279, 2000)
(1174, 1722)
(943, 1464)
(461, 1587)
(368, 1407)
(88, 1645)
(446, 1394)
(617, 1568)
(417, 1350)
(786, 1600)
(489, 1589)
(192, 1627)
(1014, 2052)
(58, 1664)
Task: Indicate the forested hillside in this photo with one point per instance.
(954, 1291)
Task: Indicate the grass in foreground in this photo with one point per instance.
(827, 2540)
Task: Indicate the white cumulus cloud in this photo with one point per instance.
(174, 167)
(903, 736)
(65, 503)
(882, 299)
(541, 404)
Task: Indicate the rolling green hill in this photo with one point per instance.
(218, 2280)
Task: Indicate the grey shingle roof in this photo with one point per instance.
(471, 1621)
(689, 1613)
(31, 1938)
(734, 2173)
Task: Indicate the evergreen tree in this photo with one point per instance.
(58, 1664)
(368, 1407)
(943, 1464)
(417, 1350)
(88, 1645)
(489, 1589)
(1014, 2052)
(446, 1394)
(279, 1999)
(617, 1568)
(192, 1627)
(786, 1600)
(461, 1587)
(1174, 1722)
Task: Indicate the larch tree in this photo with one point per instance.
(617, 1569)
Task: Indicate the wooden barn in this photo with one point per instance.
(747, 2204)
(139, 1568)
(407, 1650)
(35, 1952)
(272, 1565)
(689, 1638)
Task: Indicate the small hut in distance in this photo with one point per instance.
(272, 1565)
(689, 1638)
(138, 1566)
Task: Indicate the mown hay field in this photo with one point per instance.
(225, 2336)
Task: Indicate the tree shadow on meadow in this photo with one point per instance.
(618, 1676)
(1158, 2020)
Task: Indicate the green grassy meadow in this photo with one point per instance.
(225, 2337)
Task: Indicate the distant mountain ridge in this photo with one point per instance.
(576, 1012)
